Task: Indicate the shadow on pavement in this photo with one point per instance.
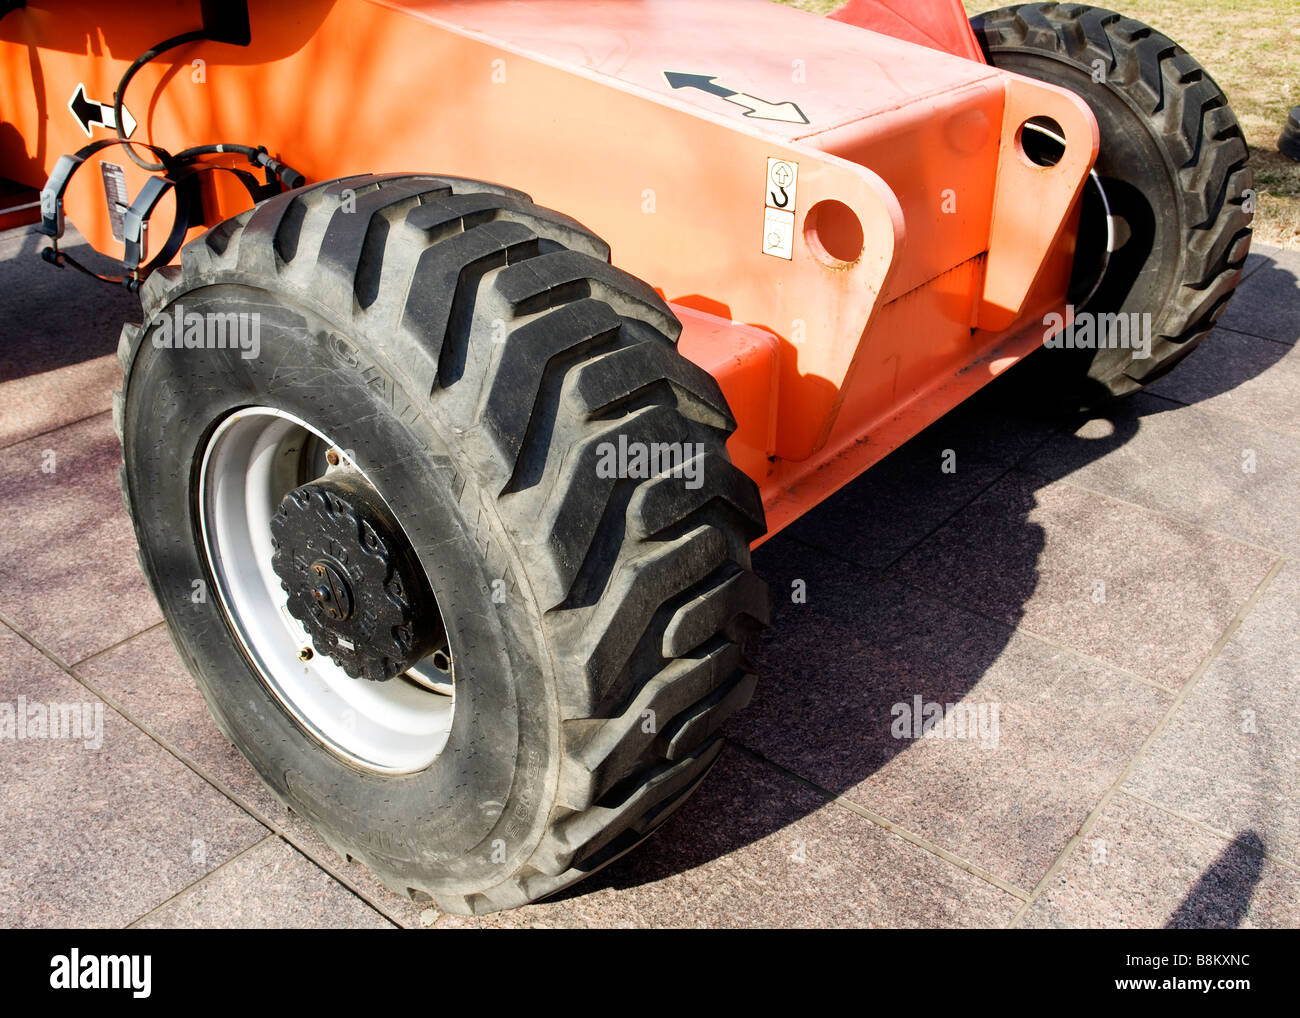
(833, 669)
(52, 317)
(1221, 896)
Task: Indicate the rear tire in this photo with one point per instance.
(471, 351)
(1174, 167)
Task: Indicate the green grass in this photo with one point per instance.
(1252, 48)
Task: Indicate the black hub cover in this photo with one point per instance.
(352, 579)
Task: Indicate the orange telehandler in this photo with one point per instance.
(450, 518)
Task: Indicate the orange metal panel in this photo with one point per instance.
(745, 362)
(584, 106)
(939, 156)
(1032, 207)
(832, 72)
(796, 487)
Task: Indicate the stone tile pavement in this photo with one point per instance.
(1114, 599)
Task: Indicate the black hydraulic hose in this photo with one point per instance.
(120, 95)
(290, 177)
(258, 156)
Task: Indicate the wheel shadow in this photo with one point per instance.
(838, 668)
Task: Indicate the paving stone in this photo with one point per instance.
(1253, 380)
(1259, 257)
(890, 508)
(1268, 303)
(146, 678)
(99, 829)
(1140, 867)
(1114, 581)
(1204, 468)
(1230, 756)
(68, 571)
(753, 848)
(58, 336)
(272, 886)
(836, 702)
(35, 404)
(60, 315)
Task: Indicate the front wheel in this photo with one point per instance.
(1164, 224)
(367, 432)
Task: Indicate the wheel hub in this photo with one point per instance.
(333, 592)
(352, 579)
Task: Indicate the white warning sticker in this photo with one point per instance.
(778, 233)
(782, 179)
(779, 207)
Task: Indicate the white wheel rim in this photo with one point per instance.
(253, 459)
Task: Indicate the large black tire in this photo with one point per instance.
(471, 350)
(1173, 163)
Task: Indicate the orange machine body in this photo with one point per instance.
(844, 220)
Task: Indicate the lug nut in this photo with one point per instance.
(305, 654)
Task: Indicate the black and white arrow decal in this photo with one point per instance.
(757, 109)
(88, 112)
